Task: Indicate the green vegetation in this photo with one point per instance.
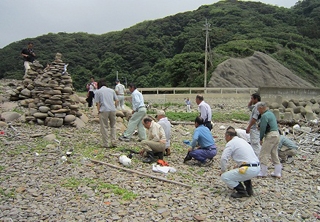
(219, 117)
(96, 184)
(169, 52)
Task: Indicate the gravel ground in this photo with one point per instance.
(37, 185)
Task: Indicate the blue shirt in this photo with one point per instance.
(202, 135)
(287, 142)
(137, 100)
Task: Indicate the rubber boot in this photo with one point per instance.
(277, 171)
(263, 171)
(149, 158)
(248, 185)
(187, 158)
(241, 192)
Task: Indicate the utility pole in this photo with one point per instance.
(116, 74)
(207, 28)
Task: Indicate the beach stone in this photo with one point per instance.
(49, 137)
(69, 118)
(40, 115)
(60, 115)
(84, 118)
(44, 109)
(3, 124)
(10, 116)
(54, 122)
(67, 90)
(79, 123)
(26, 92)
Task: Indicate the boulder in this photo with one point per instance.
(10, 116)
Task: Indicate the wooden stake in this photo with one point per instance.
(140, 173)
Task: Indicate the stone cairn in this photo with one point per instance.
(49, 95)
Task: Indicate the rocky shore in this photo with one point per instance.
(39, 182)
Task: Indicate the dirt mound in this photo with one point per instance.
(254, 71)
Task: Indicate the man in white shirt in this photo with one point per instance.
(248, 164)
(166, 125)
(120, 94)
(205, 111)
(252, 128)
(139, 111)
(106, 100)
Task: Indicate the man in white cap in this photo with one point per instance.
(166, 125)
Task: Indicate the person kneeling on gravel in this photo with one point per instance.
(286, 149)
(203, 146)
(247, 161)
(156, 141)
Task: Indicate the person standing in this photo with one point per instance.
(29, 56)
(91, 87)
(252, 127)
(269, 132)
(120, 89)
(166, 125)
(248, 164)
(106, 100)
(203, 146)
(156, 140)
(188, 103)
(205, 111)
(139, 111)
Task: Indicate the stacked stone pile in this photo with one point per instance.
(49, 95)
(293, 109)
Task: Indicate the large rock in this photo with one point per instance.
(267, 71)
(10, 116)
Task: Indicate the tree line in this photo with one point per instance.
(169, 52)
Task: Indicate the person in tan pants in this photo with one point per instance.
(156, 140)
(268, 132)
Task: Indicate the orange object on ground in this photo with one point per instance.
(162, 163)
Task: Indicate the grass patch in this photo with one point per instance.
(219, 117)
(17, 110)
(94, 184)
(6, 194)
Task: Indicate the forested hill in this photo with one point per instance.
(170, 51)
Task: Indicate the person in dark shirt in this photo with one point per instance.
(29, 56)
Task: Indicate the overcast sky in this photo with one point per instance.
(20, 19)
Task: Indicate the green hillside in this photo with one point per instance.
(170, 51)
